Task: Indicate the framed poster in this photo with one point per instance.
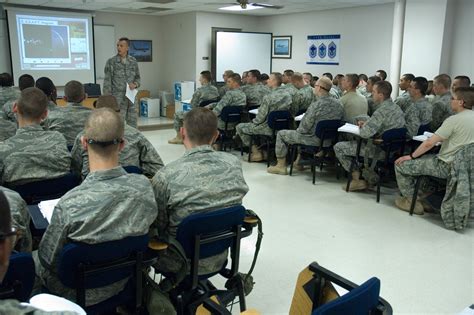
(281, 47)
(323, 49)
(141, 50)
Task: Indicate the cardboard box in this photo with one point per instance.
(150, 107)
(170, 111)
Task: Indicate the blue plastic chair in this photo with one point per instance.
(424, 128)
(86, 266)
(229, 115)
(207, 234)
(132, 169)
(207, 102)
(35, 192)
(20, 277)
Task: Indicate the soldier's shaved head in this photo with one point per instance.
(201, 126)
(74, 91)
(107, 101)
(104, 131)
(32, 104)
(325, 83)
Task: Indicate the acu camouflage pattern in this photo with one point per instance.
(109, 205)
(325, 108)
(278, 99)
(13, 307)
(223, 89)
(387, 116)
(301, 100)
(441, 110)
(7, 111)
(33, 154)
(234, 97)
(118, 73)
(138, 151)
(201, 180)
(417, 115)
(404, 101)
(20, 219)
(68, 120)
(7, 129)
(255, 93)
(8, 93)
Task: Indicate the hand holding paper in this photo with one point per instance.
(131, 94)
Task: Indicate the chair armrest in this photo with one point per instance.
(157, 245)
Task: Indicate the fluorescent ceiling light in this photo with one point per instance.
(239, 8)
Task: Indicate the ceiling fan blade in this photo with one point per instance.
(267, 6)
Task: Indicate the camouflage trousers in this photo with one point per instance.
(178, 120)
(346, 150)
(289, 137)
(128, 111)
(426, 165)
(247, 130)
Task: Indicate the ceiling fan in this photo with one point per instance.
(245, 3)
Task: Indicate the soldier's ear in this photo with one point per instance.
(84, 143)
(15, 107)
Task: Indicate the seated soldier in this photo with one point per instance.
(20, 220)
(382, 74)
(201, 180)
(264, 79)
(442, 102)
(223, 89)
(254, 90)
(109, 205)
(278, 99)
(25, 81)
(207, 92)
(368, 93)
(69, 120)
(361, 88)
(354, 103)
(419, 113)
(387, 116)
(404, 99)
(137, 150)
(303, 97)
(460, 81)
(455, 132)
(7, 129)
(325, 108)
(233, 97)
(7, 91)
(33, 154)
(337, 86)
(49, 89)
(308, 79)
(286, 82)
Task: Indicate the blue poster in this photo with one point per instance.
(323, 49)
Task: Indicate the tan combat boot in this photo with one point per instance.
(404, 204)
(296, 164)
(356, 183)
(279, 168)
(255, 154)
(176, 140)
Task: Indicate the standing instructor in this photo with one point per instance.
(121, 70)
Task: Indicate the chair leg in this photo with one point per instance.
(415, 194)
(240, 288)
(378, 184)
(313, 171)
(292, 149)
(349, 176)
(268, 153)
(250, 148)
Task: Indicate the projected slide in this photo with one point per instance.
(53, 43)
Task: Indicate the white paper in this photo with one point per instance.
(131, 94)
(425, 136)
(299, 117)
(47, 207)
(53, 303)
(186, 101)
(350, 128)
(468, 310)
(254, 111)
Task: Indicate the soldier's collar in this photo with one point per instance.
(201, 148)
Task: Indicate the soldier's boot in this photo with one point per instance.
(255, 154)
(296, 164)
(320, 154)
(176, 140)
(404, 204)
(279, 168)
(356, 183)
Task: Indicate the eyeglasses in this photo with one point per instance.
(12, 235)
(322, 87)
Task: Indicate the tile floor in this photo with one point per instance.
(423, 268)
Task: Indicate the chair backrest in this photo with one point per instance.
(209, 223)
(279, 120)
(423, 129)
(394, 139)
(207, 102)
(231, 114)
(327, 129)
(35, 192)
(132, 169)
(92, 89)
(20, 278)
(359, 301)
(108, 253)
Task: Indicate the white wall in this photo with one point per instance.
(365, 38)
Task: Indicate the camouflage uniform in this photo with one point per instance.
(109, 205)
(417, 115)
(68, 120)
(20, 219)
(232, 98)
(222, 90)
(371, 105)
(386, 117)
(290, 88)
(255, 93)
(354, 105)
(404, 101)
(118, 73)
(334, 92)
(7, 111)
(278, 99)
(201, 180)
(441, 110)
(7, 129)
(138, 151)
(363, 91)
(325, 108)
(33, 154)
(13, 307)
(8, 93)
(204, 93)
(301, 100)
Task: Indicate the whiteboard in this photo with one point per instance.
(104, 42)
